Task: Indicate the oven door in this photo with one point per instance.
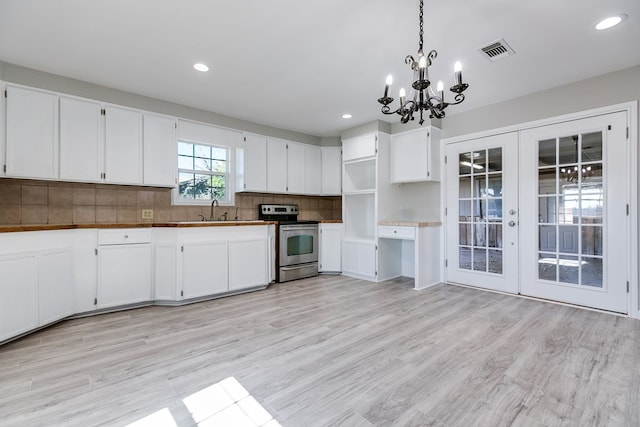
(298, 244)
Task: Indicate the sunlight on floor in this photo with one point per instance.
(226, 403)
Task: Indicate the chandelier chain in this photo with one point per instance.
(421, 24)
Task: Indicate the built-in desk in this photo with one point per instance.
(410, 249)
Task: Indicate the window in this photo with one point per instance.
(203, 173)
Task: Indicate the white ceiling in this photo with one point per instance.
(300, 65)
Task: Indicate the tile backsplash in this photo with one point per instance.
(48, 202)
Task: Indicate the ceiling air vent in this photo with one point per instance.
(496, 50)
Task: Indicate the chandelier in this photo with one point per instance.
(423, 97)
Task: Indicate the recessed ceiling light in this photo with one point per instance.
(610, 21)
(201, 67)
(346, 116)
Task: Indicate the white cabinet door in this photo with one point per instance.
(31, 133)
(160, 150)
(312, 170)
(247, 264)
(295, 168)
(359, 259)
(204, 269)
(276, 166)
(81, 140)
(18, 295)
(124, 274)
(55, 286)
(85, 270)
(331, 171)
(415, 156)
(330, 248)
(166, 271)
(123, 146)
(359, 147)
(252, 164)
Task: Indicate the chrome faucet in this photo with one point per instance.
(213, 204)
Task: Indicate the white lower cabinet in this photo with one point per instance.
(204, 269)
(19, 295)
(330, 248)
(248, 264)
(55, 286)
(124, 267)
(36, 286)
(359, 259)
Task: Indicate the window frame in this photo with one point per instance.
(229, 175)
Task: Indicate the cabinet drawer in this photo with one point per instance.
(124, 236)
(396, 232)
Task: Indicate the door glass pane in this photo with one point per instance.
(479, 234)
(592, 272)
(479, 161)
(464, 164)
(592, 147)
(568, 206)
(568, 149)
(494, 185)
(479, 186)
(464, 187)
(547, 152)
(568, 239)
(569, 269)
(464, 261)
(494, 235)
(547, 181)
(592, 240)
(495, 160)
(494, 209)
(547, 265)
(464, 210)
(465, 234)
(495, 261)
(479, 259)
(547, 212)
(547, 238)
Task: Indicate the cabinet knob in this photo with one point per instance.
(126, 236)
(395, 231)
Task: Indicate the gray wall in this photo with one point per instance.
(39, 79)
(608, 89)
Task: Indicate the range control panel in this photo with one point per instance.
(278, 210)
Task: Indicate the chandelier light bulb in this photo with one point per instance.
(423, 62)
(457, 67)
(440, 86)
(389, 81)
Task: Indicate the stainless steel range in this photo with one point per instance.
(297, 244)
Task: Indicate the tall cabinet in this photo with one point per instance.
(365, 178)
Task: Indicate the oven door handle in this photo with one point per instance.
(298, 266)
(297, 228)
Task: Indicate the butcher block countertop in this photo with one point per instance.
(49, 227)
(411, 223)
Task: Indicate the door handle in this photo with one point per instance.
(512, 212)
(512, 223)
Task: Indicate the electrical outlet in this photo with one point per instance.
(147, 213)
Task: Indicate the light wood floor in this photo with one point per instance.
(332, 351)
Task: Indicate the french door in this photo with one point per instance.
(574, 236)
(482, 212)
(543, 212)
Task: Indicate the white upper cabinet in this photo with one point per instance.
(159, 141)
(312, 170)
(277, 165)
(252, 164)
(123, 145)
(31, 133)
(81, 140)
(331, 171)
(359, 147)
(295, 168)
(415, 156)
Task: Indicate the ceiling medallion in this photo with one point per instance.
(422, 96)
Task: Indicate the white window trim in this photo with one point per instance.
(231, 192)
